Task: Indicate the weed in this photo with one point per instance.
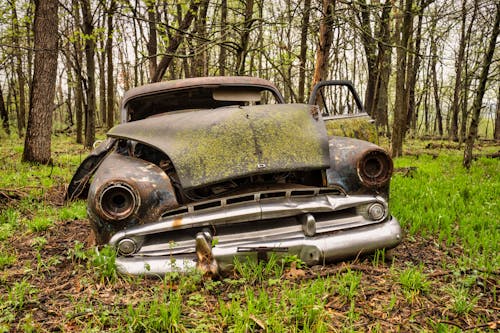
(39, 223)
(378, 257)
(253, 271)
(78, 253)
(8, 220)
(162, 314)
(19, 294)
(413, 282)
(348, 283)
(74, 211)
(461, 301)
(103, 262)
(6, 259)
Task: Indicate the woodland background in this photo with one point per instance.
(424, 67)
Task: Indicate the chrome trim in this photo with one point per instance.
(312, 250)
(261, 209)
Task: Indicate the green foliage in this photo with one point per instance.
(441, 199)
(296, 308)
(161, 314)
(438, 201)
(76, 210)
(6, 258)
(413, 282)
(348, 283)
(103, 263)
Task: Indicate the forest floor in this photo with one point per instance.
(52, 279)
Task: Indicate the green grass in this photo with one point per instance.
(453, 210)
(443, 200)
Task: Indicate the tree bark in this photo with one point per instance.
(478, 100)
(101, 60)
(435, 84)
(381, 95)
(496, 136)
(370, 46)
(38, 134)
(200, 63)
(325, 41)
(413, 70)
(455, 107)
(4, 115)
(21, 82)
(152, 44)
(223, 27)
(242, 49)
(110, 119)
(88, 30)
(401, 102)
(304, 31)
(176, 40)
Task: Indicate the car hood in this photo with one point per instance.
(215, 145)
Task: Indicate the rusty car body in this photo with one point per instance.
(204, 171)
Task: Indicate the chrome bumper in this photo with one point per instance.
(312, 250)
(315, 226)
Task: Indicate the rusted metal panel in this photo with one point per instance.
(78, 186)
(210, 146)
(345, 157)
(148, 182)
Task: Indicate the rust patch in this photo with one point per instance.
(177, 222)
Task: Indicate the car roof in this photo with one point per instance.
(153, 88)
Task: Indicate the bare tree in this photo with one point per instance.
(110, 69)
(39, 130)
(496, 136)
(176, 40)
(478, 99)
(90, 109)
(404, 30)
(325, 41)
(4, 115)
(304, 31)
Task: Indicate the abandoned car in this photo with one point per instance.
(205, 171)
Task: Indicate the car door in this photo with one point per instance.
(342, 110)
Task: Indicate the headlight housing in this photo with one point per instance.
(375, 168)
(117, 201)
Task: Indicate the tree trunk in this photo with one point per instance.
(455, 107)
(223, 27)
(200, 66)
(478, 100)
(242, 50)
(4, 115)
(325, 42)
(435, 86)
(304, 32)
(401, 102)
(369, 45)
(176, 40)
(381, 95)
(101, 59)
(88, 30)
(152, 44)
(39, 130)
(496, 136)
(21, 82)
(110, 71)
(414, 70)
